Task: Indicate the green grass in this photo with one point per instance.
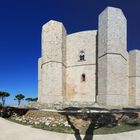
(19, 122)
(60, 129)
(116, 129)
(123, 127)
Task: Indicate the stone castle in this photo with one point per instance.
(89, 66)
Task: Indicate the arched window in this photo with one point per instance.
(82, 55)
(83, 77)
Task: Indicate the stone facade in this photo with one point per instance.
(77, 90)
(134, 77)
(112, 58)
(89, 66)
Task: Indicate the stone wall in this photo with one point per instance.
(134, 77)
(39, 79)
(112, 58)
(76, 90)
(112, 77)
(53, 50)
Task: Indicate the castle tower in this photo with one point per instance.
(39, 79)
(112, 58)
(53, 63)
(134, 77)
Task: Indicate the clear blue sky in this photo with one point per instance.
(20, 34)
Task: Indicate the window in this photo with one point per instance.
(82, 55)
(83, 78)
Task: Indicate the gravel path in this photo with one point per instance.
(13, 131)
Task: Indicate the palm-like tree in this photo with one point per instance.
(3, 96)
(35, 99)
(31, 99)
(19, 97)
(28, 100)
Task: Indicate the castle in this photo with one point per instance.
(89, 66)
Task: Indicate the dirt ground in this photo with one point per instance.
(13, 131)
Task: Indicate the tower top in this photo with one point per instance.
(52, 23)
(112, 10)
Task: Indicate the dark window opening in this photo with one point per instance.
(82, 55)
(83, 78)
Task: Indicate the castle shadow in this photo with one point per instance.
(97, 120)
(8, 111)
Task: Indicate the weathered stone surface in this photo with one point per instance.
(76, 42)
(76, 90)
(112, 58)
(112, 32)
(53, 50)
(134, 77)
(39, 79)
(106, 75)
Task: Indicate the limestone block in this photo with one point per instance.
(85, 41)
(39, 68)
(39, 91)
(112, 80)
(134, 91)
(113, 100)
(137, 102)
(102, 77)
(78, 90)
(134, 58)
(112, 32)
(53, 44)
(138, 63)
(112, 58)
(117, 76)
(53, 62)
(138, 91)
(105, 65)
(52, 82)
(39, 78)
(75, 89)
(134, 77)
(132, 87)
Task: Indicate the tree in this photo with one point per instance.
(19, 97)
(31, 99)
(35, 99)
(3, 96)
(28, 100)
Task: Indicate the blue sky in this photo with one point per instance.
(20, 34)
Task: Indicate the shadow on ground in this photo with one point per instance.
(98, 117)
(8, 111)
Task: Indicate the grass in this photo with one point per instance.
(61, 129)
(19, 122)
(116, 129)
(123, 127)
